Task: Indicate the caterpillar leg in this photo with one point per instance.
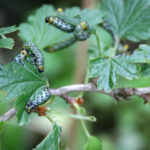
(40, 99)
(60, 24)
(61, 45)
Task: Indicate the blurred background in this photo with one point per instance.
(120, 125)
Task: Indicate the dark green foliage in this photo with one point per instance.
(108, 69)
(21, 83)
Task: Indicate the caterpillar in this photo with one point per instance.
(40, 99)
(81, 31)
(21, 56)
(60, 23)
(36, 55)
(61, 45)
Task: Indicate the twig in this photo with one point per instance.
(124, 92)
(75, 88)
(68, 99)
(119, 94)
(8, 115)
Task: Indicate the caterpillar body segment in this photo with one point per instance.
(81, 31)
(39, 100)
(36, 55)
(61, 45)
(60, 24)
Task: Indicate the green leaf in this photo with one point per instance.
(107, 70)
(129, 19)
(7, 43)
(145, 70)
(21, 83)
(51, 142)
(2, 95)
(93, 144)
(7, 30)
(43, 34)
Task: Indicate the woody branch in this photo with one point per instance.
(118, 94)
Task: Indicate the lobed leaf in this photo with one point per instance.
(108, 70)
(21, 82)
(129, 19)
(7, 43)
(7, 30)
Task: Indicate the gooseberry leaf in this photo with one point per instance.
(4, 41)
(6, 30)
(21, 82)
(129, 19)
(108, 69)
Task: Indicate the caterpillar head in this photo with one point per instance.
(40, 68)
(84, 25)
(29, 107)
(126, 46)
(49, 19)
(24, 52)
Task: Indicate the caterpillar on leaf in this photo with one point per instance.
(21, 56)
(81, 31)
(59, 23)
(36, 55)
(61, 45)
(40, 99)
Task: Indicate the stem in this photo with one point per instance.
(76, 106)
(98, 43)
(49, 118)
(85, 128)
(8, 115)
